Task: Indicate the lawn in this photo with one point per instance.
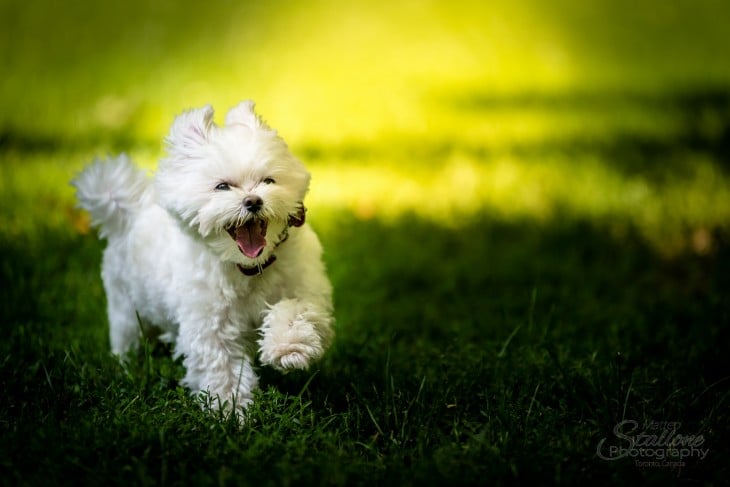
(525, 210)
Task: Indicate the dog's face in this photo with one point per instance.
(237, 187)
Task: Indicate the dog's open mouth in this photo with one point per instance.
(250, 237)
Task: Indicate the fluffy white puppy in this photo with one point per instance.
(214, 252)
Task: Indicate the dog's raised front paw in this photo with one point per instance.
(295, 348)
(288, 358)
(289, 339)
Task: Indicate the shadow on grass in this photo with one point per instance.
(701, 121)
(552, 334)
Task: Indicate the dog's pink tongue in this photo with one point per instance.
(251, 238)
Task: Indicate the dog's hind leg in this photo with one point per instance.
(124, 325)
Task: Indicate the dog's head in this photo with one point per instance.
(235, 186)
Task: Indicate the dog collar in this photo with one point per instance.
(259, 269)
(294, 221)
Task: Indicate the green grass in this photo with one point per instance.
(526, 216)
(508, 360)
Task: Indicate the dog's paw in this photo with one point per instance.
(289, 340)
(286, 361)
(296, 348)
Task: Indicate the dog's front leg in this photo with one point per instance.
(295, 333)
(217, 362)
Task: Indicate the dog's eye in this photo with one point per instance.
(223, 187)
(269, 181)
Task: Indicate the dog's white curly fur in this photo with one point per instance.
(171, 259)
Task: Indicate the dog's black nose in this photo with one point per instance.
(253, 203)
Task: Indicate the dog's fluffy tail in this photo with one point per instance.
(112, 190)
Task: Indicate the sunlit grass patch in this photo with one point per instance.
(586, 187)
(35, 194)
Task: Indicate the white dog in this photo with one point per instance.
(214, 252)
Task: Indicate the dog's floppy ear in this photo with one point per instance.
(244, 114)
(298, 219)
(190, 129)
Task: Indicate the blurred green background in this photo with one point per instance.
(527, 109)
(525, 210)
